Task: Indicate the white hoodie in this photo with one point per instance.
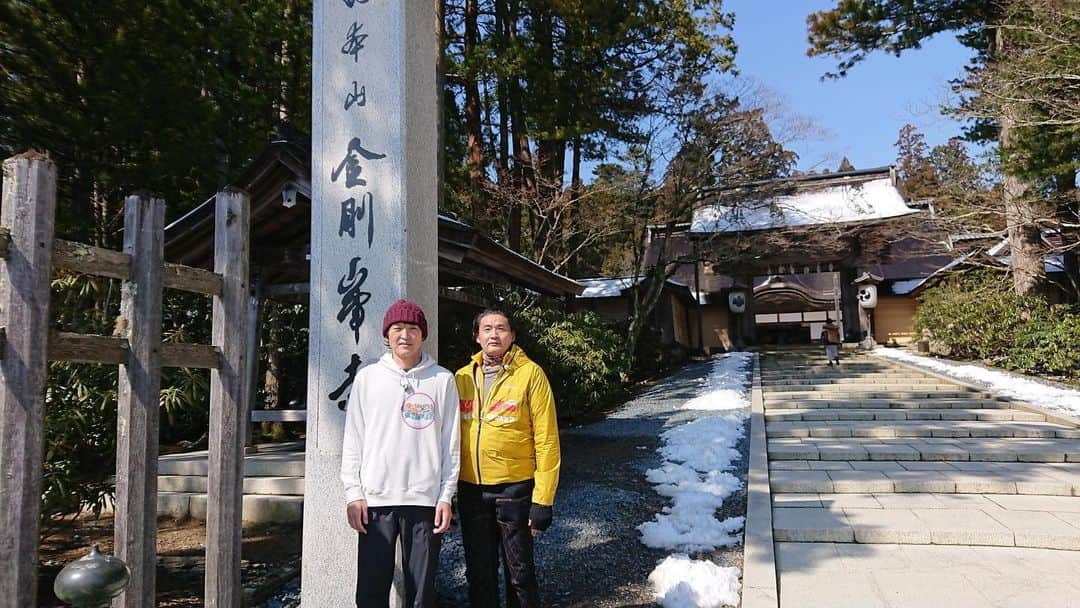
(402, 435)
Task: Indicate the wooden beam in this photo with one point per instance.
(138, 397)
(287, 289)
(27, 209)
(203, 356)
(87, 348)
(187, 278)
(87, 259)
(113, 350)
(464, 298)
(278, 415)
(228, 410)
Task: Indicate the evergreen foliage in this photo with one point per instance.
(975, 316)
(584, 358)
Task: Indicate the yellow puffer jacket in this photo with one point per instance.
(513, 435)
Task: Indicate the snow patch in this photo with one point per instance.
(725, 387)
(696, 475)
(681, 582)
(1012, 385)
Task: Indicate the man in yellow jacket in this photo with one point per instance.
(509, 463)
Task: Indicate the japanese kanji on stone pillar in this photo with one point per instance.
(373, 235)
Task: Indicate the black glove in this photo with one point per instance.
(539, 517)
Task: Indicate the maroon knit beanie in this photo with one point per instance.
(404, 311)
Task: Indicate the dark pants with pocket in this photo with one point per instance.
(494, 522)
(377, 549)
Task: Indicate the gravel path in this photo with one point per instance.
(592, 556)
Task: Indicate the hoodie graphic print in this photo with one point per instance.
(402, 435)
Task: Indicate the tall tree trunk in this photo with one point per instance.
(551, 151)
(577, 190)
(523, 162)
(473, 129)
(1025, 239)
(503, 92)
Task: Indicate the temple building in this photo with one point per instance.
(770, 262)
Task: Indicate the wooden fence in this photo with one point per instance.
(29, 254)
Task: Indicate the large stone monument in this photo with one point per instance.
(373, 235)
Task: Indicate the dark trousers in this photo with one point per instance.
(494, 522)
(376, 552)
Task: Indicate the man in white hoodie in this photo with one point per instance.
(399, 462)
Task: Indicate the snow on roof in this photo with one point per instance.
(996, 250)
(604, 288)
(601, 287)
(871, 200)
(976, 236)
(902, 288)
(1051, 263)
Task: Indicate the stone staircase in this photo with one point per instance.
(875, 452)
(273, 484)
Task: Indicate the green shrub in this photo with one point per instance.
(977, 316)
(584, 358)
(972, 316)
(80, 440)
(1048, 345)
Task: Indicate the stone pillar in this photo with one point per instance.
(849, 305)
(373, 236)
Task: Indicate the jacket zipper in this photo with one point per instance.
(480, 412)
(479, 423)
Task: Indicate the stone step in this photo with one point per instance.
(257, 508)
(847, 388)
(920, 380)
(842, 394)
(929, 448)
(882, 477)
(877, 404)
(985, 414)
(923, 519)
(278, 486)
(274, 464)
(919, 428)
(831, 371)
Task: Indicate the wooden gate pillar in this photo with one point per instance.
(138, 395)
(29, 203)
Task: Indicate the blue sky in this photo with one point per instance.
(859, 115)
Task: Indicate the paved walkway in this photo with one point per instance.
(893, 487)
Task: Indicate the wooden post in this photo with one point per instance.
(251, 346)
(849, 305)
(227, 403)
(749, 317)
(29, 204)
(138, 393)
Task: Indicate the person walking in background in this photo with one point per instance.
(830, 337)
(510, 463)
(399, 462)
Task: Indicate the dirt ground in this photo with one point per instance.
(267, 550)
